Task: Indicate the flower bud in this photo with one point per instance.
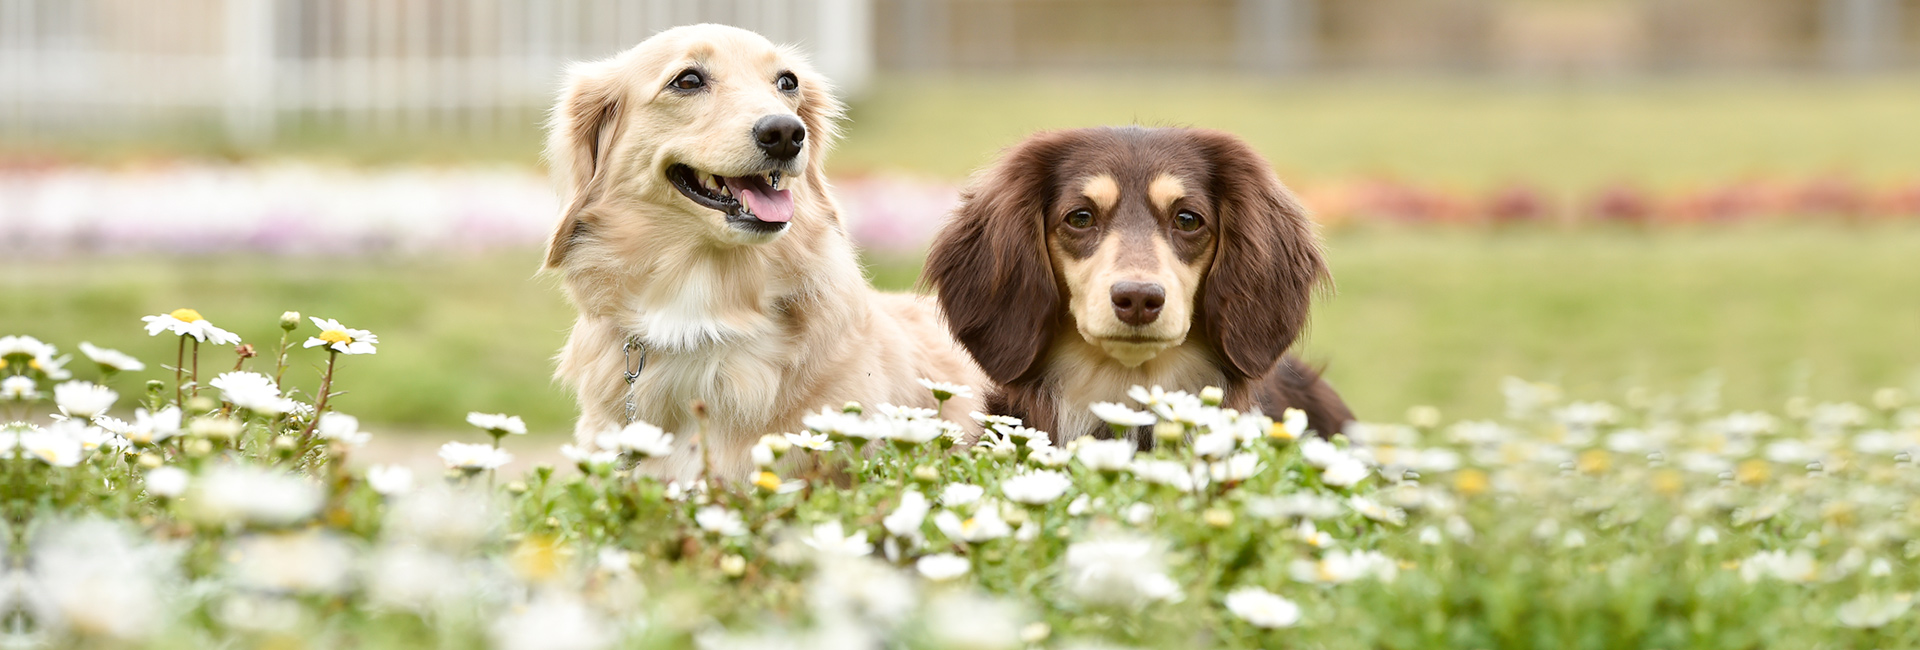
(1212, 396)
(201, 404)
(517, 488)
(733, 566)
(199, 447)
(1169, 433)
(777, 443)
(290, 321)
(925, 474)
(852, 407)
(149, 461)
(1218, 517)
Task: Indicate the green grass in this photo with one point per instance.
(1420, 317)
(1465, 134)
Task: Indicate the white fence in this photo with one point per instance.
(254, 66)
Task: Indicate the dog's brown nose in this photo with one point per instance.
(1138, 303)
(780, 136)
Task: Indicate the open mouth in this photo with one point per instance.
(754, 203)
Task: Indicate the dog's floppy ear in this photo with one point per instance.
(1268, 263)
(584, 125)
(990, 263)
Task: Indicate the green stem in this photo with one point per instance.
(320, 402)
(179, 378)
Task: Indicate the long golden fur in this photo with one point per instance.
(762, 327)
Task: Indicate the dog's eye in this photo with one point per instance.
(690, 80)
(1187, 220)
(786, 82)
(1081, 218)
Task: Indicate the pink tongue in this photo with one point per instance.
(768, 204)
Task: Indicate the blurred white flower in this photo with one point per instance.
(907, 517)
(1873, 610)
(1293, 424)
(808, 440)
(1373, 510)
(168, 481)
(1173, 474)
(1236, 468)
(964, 620)
(473, 457)
(831, 539)
(1138, 514)
(1104, 455)
(411, 577)
(1117, 570)
(955, 495)
(150, 428)
(97, 579)
(1311, 535)
(552, 620)
(390, 480)
(984, 525)
(590, 456)
(841, 424)
(187, 322)
(342, 339)
(342, 428)
(638, 438)
(114, 360)
(994, 421)
(18, 388)
(1051, 457)
(1215, 444)
(444, 516)
(1320, 453)
(1299, 504)
(1036, 488)
(1789, 566)
(1337, 567)
(942, 567)
(498, 424)
(1120, 415)
(720, 520)
(50, 446)
(1262, 608)
(252, 391)
(83, 399)
(905, 412)
(308, 562)
(1344, 472)
(944, 391)
(244, 493)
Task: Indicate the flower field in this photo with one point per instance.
(193, 502)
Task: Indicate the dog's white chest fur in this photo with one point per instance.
(1084, 375)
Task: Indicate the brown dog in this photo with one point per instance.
(1092, 260)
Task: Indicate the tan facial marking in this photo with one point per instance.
(1102, 190)
(1165, 190)
(1089, 283)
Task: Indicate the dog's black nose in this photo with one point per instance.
(780, 136)
(1138, 303)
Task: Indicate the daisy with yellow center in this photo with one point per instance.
(342, 339)
(187, 322)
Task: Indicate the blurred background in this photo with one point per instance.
(1684, 195)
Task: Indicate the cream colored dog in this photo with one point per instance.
(701, 245)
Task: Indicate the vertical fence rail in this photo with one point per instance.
(255, 69)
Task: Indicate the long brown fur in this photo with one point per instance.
(761, 329)
(1005, 277)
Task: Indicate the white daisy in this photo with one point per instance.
(18, 388)
(473, 457)
(1337, 567)
(1873, 610)
(252, 391)
(1104, 455)
(1344, 472)
(149, 428)
(1121, 416)
(83, 399)
(1050, 457)
(955, 495)
(909, 515)
(1118, 570)
(1261, 608)
(187, 322)
(720, 521)
(167, 481)
(1236, 468)
(984, 525)
(589, 456)
(831, 539)
(25, 346)
(638, 438)
(340, 338)
(942, 567)
(1293, 424)
(810, 440)
(994, 421)
(50, 447)
(343, 428)
(390, 480)
(1036, 488)
(944, 391)
(498, 424)
(112, 360)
